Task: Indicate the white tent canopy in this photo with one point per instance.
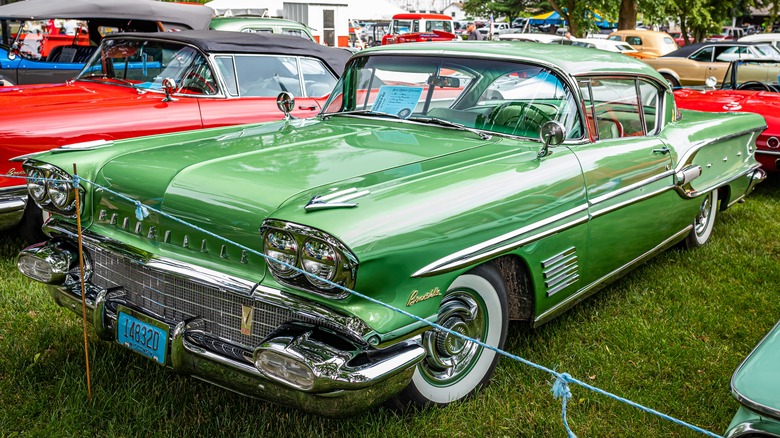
(238, 7)
(372, 10)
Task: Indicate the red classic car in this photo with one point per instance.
(413, 28)
(141, 84)
(749, 86)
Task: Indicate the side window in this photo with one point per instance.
(267, 76)
(620, 107)
(634, 40)
(703, 55)
(228, 71)
(318, 81)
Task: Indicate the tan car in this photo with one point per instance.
(652, 44)
(692, 64)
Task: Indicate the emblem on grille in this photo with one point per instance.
(247, 315)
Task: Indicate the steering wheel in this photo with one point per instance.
(754, 85)
(193, 78)
(517, 115)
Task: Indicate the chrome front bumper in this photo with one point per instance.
(345, 374)
(12, 203)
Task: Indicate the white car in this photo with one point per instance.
(535, 37)
(608, 45)
(772, 38)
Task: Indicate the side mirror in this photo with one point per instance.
(285, 101)
(14, 52)
(551, 133)
(169, 86)
(711, 82)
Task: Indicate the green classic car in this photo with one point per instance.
(756, 386)
(468, 184)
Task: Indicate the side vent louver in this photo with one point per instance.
(560, 271)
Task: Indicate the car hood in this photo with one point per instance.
(227, 181)
(755, 383)
(74, 94)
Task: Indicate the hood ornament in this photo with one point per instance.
(337, 199)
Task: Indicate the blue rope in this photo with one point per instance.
(560, 388)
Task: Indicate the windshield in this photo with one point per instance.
(503, 97)
(144, 64)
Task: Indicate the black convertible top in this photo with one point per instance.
(688, 49)
(188, 16)
(217, 41)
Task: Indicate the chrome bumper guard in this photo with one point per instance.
(299, 364)
(756, 177)
(12, 203)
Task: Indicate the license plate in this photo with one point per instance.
(142, 334)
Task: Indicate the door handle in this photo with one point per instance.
(663, 151)
(309, 107)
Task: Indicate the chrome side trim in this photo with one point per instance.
(483, 251)
(741, 398)
(605, 280)
(761, 151)
(631, 201)
(694, 193)
(560, 271)
(13, 201)
(684, 160)
(630, 188)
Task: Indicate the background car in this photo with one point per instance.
(460, 182)
(678, 38)
(215, 79)
(262, 25)
(412, 28)
(728, 33)
(771, 38)
(35, 54)
(749, 85)
(755, 386)
(545, 38)
(605, 44)
(651, 43)
(693, 64)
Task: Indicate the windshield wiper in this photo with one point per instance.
(443, 122)
(365, 113)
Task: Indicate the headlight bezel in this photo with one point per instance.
(345, 263)
(54, 180)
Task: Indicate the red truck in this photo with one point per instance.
(414, 28)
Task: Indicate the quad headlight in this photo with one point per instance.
(312, 260)
(51, 188)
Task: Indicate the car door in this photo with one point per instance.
(253, 82)
(698, 66)
(627, 174)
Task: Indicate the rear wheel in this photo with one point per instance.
(475, 305)
(704, 221)
(671, 79)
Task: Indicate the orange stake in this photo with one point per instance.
(83, 289)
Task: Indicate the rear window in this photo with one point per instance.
(668, 40)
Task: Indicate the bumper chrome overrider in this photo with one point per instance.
(13, 200)
(756, 177)
(302, 364)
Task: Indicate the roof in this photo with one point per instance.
(421, 16)
(688, 49)
(189, 16)
(214, 41)
(571, 59)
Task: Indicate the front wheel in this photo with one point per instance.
(704, 221)
(475, 305)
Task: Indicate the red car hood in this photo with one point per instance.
(25, 97)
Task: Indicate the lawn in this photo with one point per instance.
(668, 336)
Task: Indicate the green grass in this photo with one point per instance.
(668, 336)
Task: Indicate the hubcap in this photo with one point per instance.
(703, 218)
(451, 357)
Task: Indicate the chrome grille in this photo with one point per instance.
(174, 299)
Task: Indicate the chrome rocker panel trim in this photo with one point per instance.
(13, 201)
(347, 374)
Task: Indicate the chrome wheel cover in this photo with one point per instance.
(703, 218)
(450, 358)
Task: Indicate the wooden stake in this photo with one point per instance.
(83, 277)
